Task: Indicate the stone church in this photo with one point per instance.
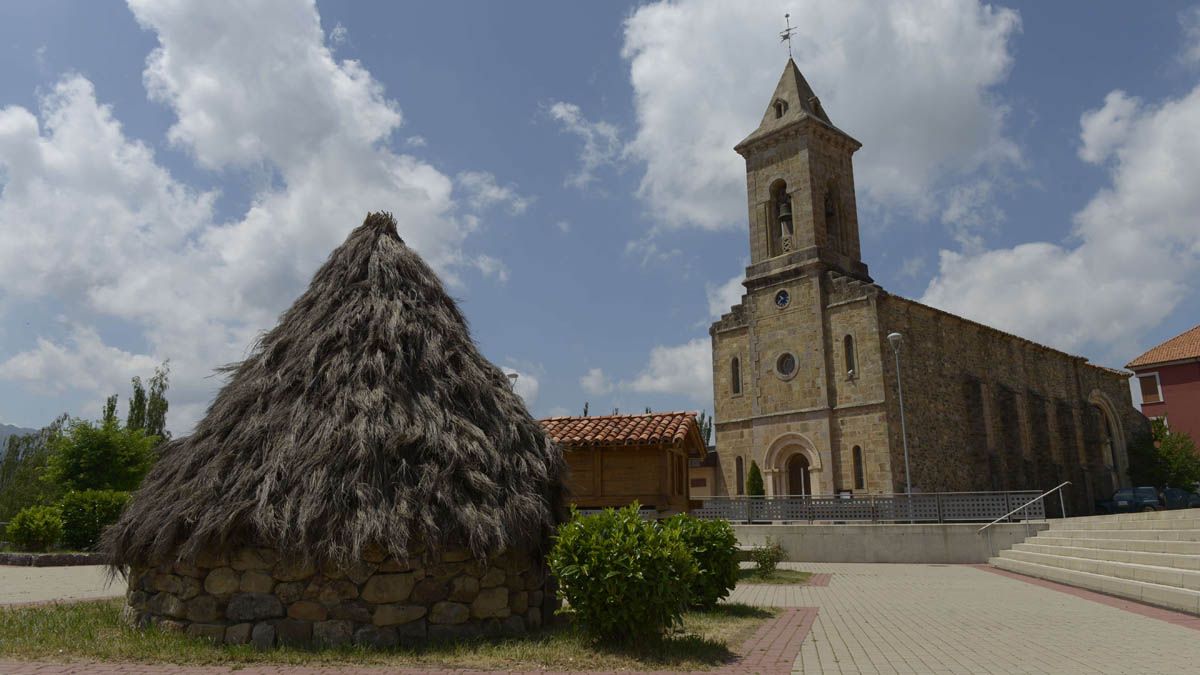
(805, 377)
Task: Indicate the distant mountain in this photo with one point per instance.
(7, 430)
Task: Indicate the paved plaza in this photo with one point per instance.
(869, 618)
(23, 585)
(881, 618)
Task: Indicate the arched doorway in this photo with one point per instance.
(799, 482)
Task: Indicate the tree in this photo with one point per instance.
(149, 412)
(1164, 457)
(104, 456)
(22, 468)
(754, 481)
(705, 428)
(585, 408)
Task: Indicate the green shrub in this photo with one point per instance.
(85, 515)
(766, 558)
(713, 545)
(35, 528)
(626, 579)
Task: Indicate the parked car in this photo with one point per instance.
(1178, 498)
(1129, 500)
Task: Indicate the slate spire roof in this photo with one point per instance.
(799, 103)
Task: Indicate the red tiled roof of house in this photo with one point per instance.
(651, 429)
(1184, 346)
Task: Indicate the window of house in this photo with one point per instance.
(699, 482)
(740, 475)
(860, 472)
(735, 376)
(1151, 389)
(851, 359)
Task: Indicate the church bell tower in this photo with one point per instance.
(800, 184)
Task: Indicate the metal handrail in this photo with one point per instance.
(1062, 504)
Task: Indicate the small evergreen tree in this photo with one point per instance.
(754, 481)
(705, 428)
(585, 408)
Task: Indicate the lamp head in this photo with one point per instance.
(895, 339)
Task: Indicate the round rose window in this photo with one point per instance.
(785, 365)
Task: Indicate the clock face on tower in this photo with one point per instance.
(781, 299)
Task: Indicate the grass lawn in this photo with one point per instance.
(93, 631)
(748, 575)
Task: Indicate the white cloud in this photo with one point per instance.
(563, 226)
(1135, 246)
(483, 192)
(416, 141)
(912, 267)
(526, 386)
(601, 142)
(491, 267)
(684, 370)
(338, 35)
(1189, 20)
(128, 242)
(722, 297)
(85, 364)
(1107, 128)
(912, 80)
(595, 382)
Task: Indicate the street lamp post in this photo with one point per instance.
(896, 339)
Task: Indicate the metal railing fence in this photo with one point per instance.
(932, 507)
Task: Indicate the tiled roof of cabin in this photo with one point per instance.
(670, 428)
(1184, 346)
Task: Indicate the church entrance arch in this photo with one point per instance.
(792, 466)
(798, 479)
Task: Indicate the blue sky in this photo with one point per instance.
(174, 172)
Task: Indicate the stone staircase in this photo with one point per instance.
(1150, 557)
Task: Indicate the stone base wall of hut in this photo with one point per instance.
(253, 596)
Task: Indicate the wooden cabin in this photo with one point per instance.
(617, 459)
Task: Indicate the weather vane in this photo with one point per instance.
(786, 35)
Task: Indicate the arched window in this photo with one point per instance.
(735, 376)
(860, 472)
(739, 470)
(851, 360)
(833, 225)
(780, 108)
(782, 232)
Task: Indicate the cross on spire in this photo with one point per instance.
(786, 35)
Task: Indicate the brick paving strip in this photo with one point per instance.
(771, 650)
(1177, 618)
(818, 580)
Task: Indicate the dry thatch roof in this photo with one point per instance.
(367, 416)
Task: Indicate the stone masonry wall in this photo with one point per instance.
(252, 596)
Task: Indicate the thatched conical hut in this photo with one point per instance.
(365, 475)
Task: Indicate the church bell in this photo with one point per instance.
(785, 213)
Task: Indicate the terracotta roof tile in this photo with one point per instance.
(651, 429)
(1184, 346)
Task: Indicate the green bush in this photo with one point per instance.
(766, 558)
(85, 515)
(35, 528)
(626, 579)
(713, 545)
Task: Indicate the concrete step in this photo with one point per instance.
(1131, 517)
(1050, 538)
(1186, 562)
(1165, 576)
(1115, 523)
(1179, 599)
(1145, 535)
